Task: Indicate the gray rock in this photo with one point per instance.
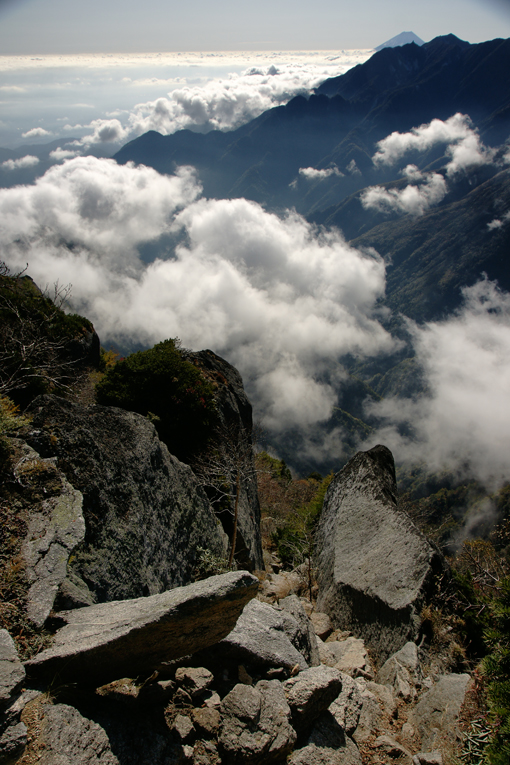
(392, 749)
(375, 568)
(111, 640)
(256, 724)
(12, 743)
(351, 657)
(310, 693)
(321, 624)
(327, 744)
(69, 736)
(402, 672)
(316, 755)
(436, 714)
(56, 527)
(234, 408)
(12, 673)
(144, 511)
(428, 758)
(264, 637)
(306, 640)
(346, 708)
(379, 706)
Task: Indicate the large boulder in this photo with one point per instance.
(235, 417)
(144, 511)
(375, 568)
(55, 527)
(132, 637)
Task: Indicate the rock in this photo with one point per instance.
(100, 643)
(12, 673)
(375, 568)
(351, 657)
(234, 409)
(346, 708)
(402, 672)
(256, 724)
(278, 586)
(56, 527)
(207, 721)
(436, 714)
(428, 758)
(13, 741)
(315, 755)
(263, 637)
(378, 708)
(184, 728)
(321, 624)
(144, 511)
(310, 693)
(194, 680)
(326, 656)
(392, 748)
(306, 640)
(327, 744)
(69, 736)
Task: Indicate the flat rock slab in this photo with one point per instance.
(101, 643)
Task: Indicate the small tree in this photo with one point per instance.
(225, 470)
(36, 342)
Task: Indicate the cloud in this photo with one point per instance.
(279, 298)
(499, 222)
(352, 168)
(37, 132)
(311, 174)
(104, 131)
(413, 199)
(464, 145)
(18, 164)
(224, 104)
(60, 154)
(464, 424)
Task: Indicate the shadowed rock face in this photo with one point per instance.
(145, 513)
(235, 414)
(131, 637)
(375, 568)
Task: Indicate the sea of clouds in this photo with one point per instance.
(281, 299)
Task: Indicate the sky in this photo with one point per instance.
(102, 26)
(278, 298)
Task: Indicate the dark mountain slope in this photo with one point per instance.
(396, 89)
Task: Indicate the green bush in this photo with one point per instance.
(496, 670)
(162, 385)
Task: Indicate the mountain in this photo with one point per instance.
(404, 38)
(339, 125)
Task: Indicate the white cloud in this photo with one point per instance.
(37, 132)
(312, 174)
(499, 222)
(60, 154)
(104, 131)
(352, 168)
(464, 424)
(413, 199)
(279, 298)
(464, 145)
(225, 104)
(18, 164)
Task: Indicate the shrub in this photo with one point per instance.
(162, 385)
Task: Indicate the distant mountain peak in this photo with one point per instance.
(404, 38)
